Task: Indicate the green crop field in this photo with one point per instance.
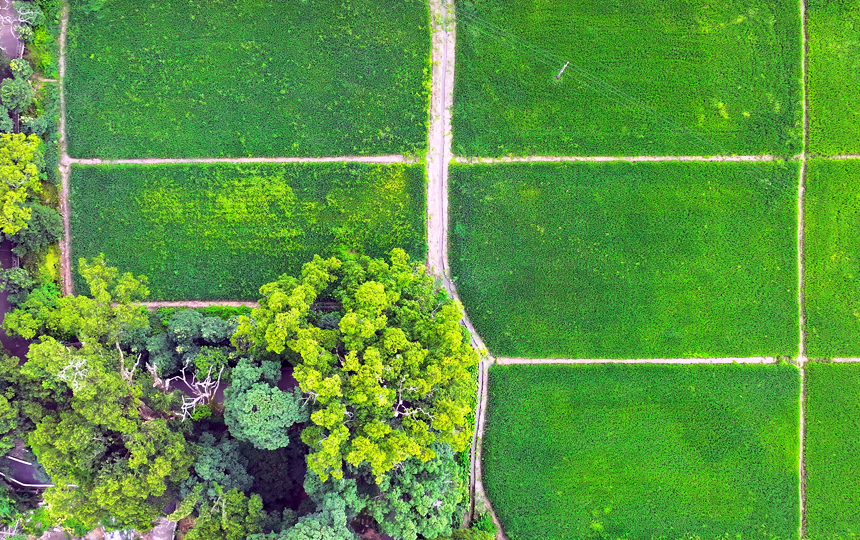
(832, 451)
(191, 78)
(644, 452)
(624, 260)
(207, 232)
(646, 77)
(834, 52)
(832, 258)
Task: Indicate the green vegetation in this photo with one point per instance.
(832, 258)
(624, 451)
(657, 77)
(218, 78)
(621, 260)
(220, 231)
(376, 435)
(834, 48)
(392, 363)
(832, 450)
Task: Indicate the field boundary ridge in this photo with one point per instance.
(377, 159)
(503, 360)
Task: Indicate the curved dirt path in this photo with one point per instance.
(438, 156)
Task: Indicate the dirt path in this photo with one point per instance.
(65, 243)
(600, 159)
(438, 156)
(726, 360)
(801, 190)
(198, 304)
(385, 159)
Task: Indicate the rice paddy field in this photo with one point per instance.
(832, 258)
(652, 77)
(209, 78)
(205, 232)
(832, 451)
(834, 49)
(628, 260)
(644, 451)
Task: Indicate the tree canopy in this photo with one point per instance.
(389, 379)
(21, 161)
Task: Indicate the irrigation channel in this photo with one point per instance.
(439, 155)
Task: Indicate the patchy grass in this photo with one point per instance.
(832, 450)
(206, 232)
(832, 258)
(622, 260)
(192, 78)
(656, 77)
(644, 451)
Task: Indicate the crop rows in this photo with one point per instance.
(207, 78)
(645, 78)
(621, 260)
(626, 451)
(221, 231)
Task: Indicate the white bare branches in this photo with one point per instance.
(126, 373)
(203, 392)
(74, 372)
(28, 12)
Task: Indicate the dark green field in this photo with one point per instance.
(657, 77)
(621, 260)
(221, 231)
(834, 50)
(832, 451)
(192, 78)
(832, 258)
(644, 452)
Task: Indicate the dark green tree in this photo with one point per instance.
(219, 462)
(17, 94)
(233, 516)
(44, 228)
(256, 411)
(420, 498)
(17, 282)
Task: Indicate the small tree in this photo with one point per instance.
(44, 228)
(17, 94)
(257, 411)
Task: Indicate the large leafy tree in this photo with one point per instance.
(387, 372)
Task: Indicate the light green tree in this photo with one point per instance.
(21, 161)
(386, 381)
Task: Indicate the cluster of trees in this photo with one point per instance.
(24, 218)
(122, 407)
